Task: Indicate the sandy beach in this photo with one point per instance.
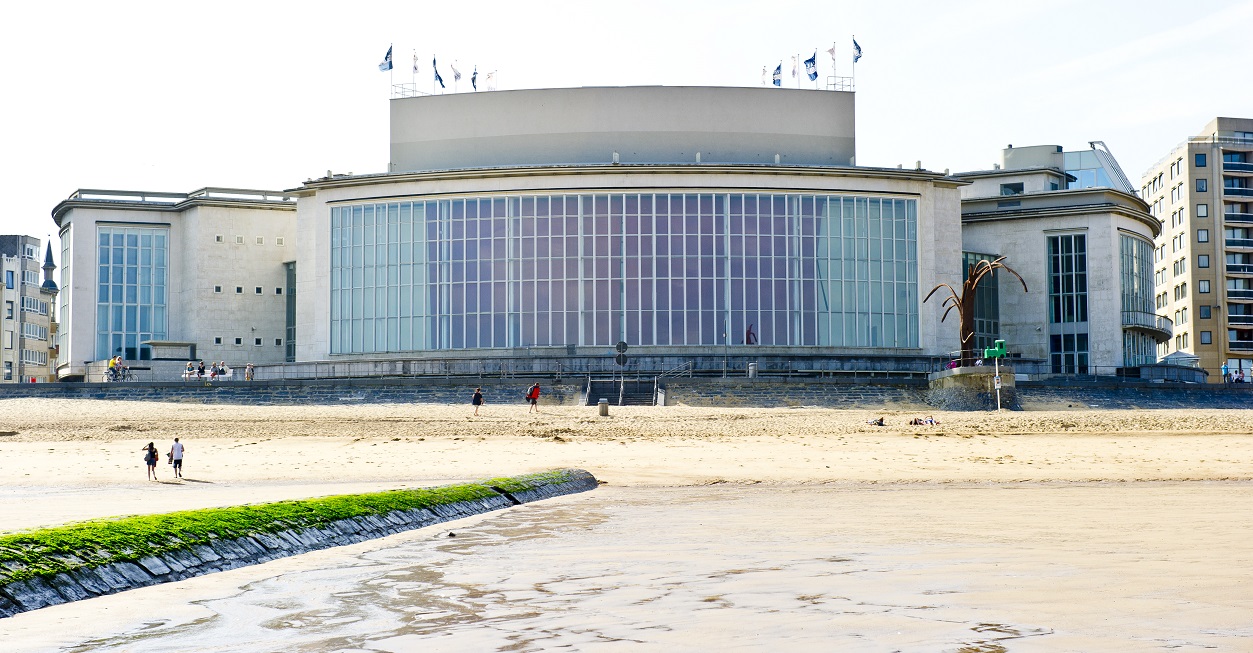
(1114, 497)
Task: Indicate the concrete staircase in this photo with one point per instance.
(629, 392)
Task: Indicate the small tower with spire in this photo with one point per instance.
(49, 287)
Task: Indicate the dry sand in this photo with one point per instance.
(1083, 529)
(76, 459)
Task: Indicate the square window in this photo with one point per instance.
(1202, 185)
(1205, 312)
(256, 342)
(278, 291)
(239, 341)
(1202, 235)
(217, 340)
(217, 289)
(260, 240)
(1207, 337)
(278, 342)
(239, 240)
(258, 290)
(1202, 286)
(239, 290)
(1202, 210)
(219, 238)
(279, 241)
(1202, 261)
(1199, 161)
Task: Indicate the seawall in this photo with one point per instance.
(84, 579)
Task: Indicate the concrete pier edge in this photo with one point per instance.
(255, 548)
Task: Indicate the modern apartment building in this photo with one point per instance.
(1203, 260)
(28, 325)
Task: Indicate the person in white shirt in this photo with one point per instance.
(176, 458)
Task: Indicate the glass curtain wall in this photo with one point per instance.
(659, 269)
(1068, 303)
(131, 290)
(1136, 268)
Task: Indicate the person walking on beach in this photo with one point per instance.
(176, 458)
(477, 400)
(150, 457)
(532, 396)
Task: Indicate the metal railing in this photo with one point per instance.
(1238, 242)
(1150, 321)
(1239, 294)
(1240, 268)
(1238, 192)
(1238, 217)
(1239, 319)
(1237, 166)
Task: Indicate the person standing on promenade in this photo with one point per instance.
(532, 396)
(477, 400)
(150, 457)
(1226, 373)
(176, 458)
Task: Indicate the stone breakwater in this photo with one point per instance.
(231, 553)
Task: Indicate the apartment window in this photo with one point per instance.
(219, 238)
(260, 240)
(239, 290)
(258, 290)
(256, 342)
(239, 341)
(1202, 261)
(278, 342)
(1204, 312)
(9, 279)
(1012, 189)
(1202, 210)
(217, 340)
(8, 370)
(8, 339)
(1202, 185)
(1207, 337)
(217, 289)
(1202, 235)
(278, 291)
(1199, 161)
(279, 241)
(1202, 286)
(8, 310)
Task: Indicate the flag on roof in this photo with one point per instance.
(435, 67)
(456, 74)
(811, 66)
(415, 63)
(856, 51)
(793, 67)
(832, 52)
(387, 61)
(778, 75)
(474, 78)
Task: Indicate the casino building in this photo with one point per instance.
(534, 230)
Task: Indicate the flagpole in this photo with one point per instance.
(854, 63)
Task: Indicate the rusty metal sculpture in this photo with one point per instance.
(964, 303)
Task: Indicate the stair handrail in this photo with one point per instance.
(683, 369)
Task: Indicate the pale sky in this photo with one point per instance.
(167, 96)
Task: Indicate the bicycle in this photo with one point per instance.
(123, 375)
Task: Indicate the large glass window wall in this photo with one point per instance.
(659, 269)
(131, 290)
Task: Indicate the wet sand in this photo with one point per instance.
(796, 529)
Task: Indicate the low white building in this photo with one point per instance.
(1073, 227)
(208, 267)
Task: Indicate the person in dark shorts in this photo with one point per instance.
(176, 458)
(477, 400)
(532, 396)
(150, 458)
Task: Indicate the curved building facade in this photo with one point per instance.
(680, 221)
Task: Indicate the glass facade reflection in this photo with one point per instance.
(131, 290)
(1136, 272)
(663, 269)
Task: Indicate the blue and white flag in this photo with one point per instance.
(387, 61)
(856, 51)
(778, 75)
(811, 66)
(456, 74)
(474, 78)
(415, 63)
(435, 67)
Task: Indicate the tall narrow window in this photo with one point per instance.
(1068, 303)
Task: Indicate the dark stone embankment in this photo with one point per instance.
(86, 581)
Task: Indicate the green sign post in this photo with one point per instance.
(996, 353)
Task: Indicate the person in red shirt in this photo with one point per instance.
(532, 396)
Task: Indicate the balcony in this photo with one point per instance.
(1238, 217)
(1240, 295)
(1241, 320)
(1239, 242)
(1158, 326)
(1240, 268)
(1237, 192)
(1240, 345)
(1232, 166)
